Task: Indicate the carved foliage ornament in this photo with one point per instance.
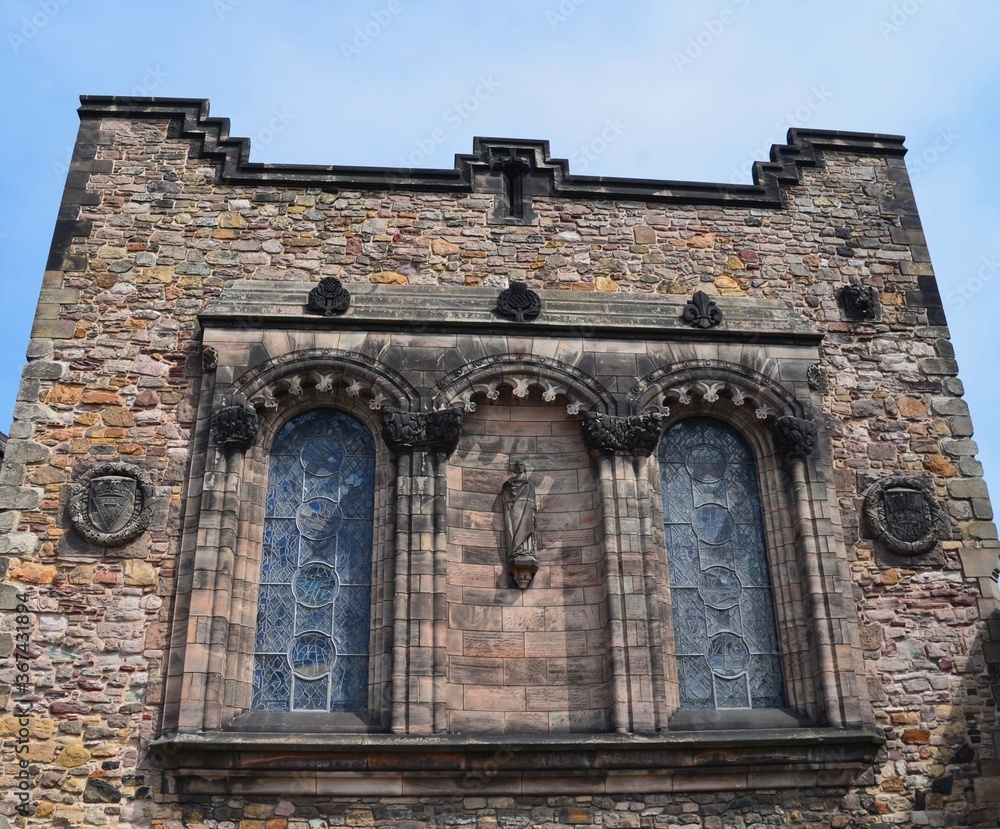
(904, 514)
(701, 311)
(235, 427)
(794, 436)
(520, 302)
(431, 431)
(328, 298)
(111, 504)
(635, 433)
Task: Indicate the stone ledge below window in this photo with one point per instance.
(228, 763)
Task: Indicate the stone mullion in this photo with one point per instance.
(620, 719)
(652, 589)
(440, 605)
(805, 524)
(401, 601)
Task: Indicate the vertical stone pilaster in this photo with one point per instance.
(423, 442)
(620, 715)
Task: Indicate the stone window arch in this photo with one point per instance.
(311, 648)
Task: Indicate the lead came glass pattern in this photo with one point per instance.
(314, 612)
(724, 623)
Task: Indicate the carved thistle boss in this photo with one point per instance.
(111, 504)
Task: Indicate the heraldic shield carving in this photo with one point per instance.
(904, 515)
(111, 504)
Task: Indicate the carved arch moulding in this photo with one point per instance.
(361, 376)
(693, 383)
(485, 377)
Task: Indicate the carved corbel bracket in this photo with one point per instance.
(795, 437)
(437, 431)
(235, 427)
(637, 434)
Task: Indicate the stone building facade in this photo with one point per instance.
(491, 496)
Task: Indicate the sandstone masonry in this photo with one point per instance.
(177, 286)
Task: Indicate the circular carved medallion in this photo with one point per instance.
(111, 504)
(904, 515)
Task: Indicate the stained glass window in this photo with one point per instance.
(313, 617)
(724, 624)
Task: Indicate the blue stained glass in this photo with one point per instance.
(315, 585)
(350, 683)
(731, 693)
(352, 612)
(689, 622)
(312, 654)
(281, 543)
(314, 618)
(685, 566)
(318, 519)
(315, 594)
(766, 688)
(312, 694)
(284, 487)
(695, 681)
(725, 631)
(712, 523)
(271, 683)
(273, 615)
(322, 456)
(354, 538)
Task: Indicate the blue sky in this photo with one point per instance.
(690, 91)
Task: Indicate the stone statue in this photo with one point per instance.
(518, 497)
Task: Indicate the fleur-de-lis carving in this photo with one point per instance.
(701, 311)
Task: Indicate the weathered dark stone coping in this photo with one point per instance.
(238, 762)
(427, 308)
(190, 119)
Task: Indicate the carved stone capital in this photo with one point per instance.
(794, 436)
(111, 504)
(437, 431)
(637, 434)
(235, 427)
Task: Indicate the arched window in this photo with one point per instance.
(725, 636)
(311, 649)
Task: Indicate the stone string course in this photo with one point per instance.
(148, 234)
